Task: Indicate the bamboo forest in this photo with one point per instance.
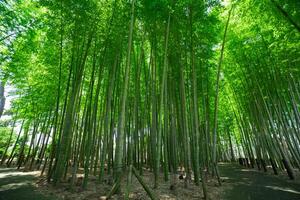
(149, 99)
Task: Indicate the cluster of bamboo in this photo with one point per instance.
(129, 100)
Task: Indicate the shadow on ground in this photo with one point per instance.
(250, 184)
(16, 185)
(240, 184)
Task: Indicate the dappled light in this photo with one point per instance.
(283, 189)
(149, 99)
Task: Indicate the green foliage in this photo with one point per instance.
(68, 60)
(5, 134)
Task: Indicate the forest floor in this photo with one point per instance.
(251, 184)
(18, 185)
(237, 184)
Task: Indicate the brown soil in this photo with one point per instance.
(237, 183)
(97, 191)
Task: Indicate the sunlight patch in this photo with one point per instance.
(12, 186)
(18, 173)
(283, 189)
(225, 178)
(246, 170)
(166, 197)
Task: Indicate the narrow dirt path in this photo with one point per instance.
(16, 185)
(251, 184)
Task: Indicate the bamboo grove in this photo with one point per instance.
(107, 86)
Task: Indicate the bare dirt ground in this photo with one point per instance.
(96, 191)
(251, 184)
(18, 185)
(237, 184)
